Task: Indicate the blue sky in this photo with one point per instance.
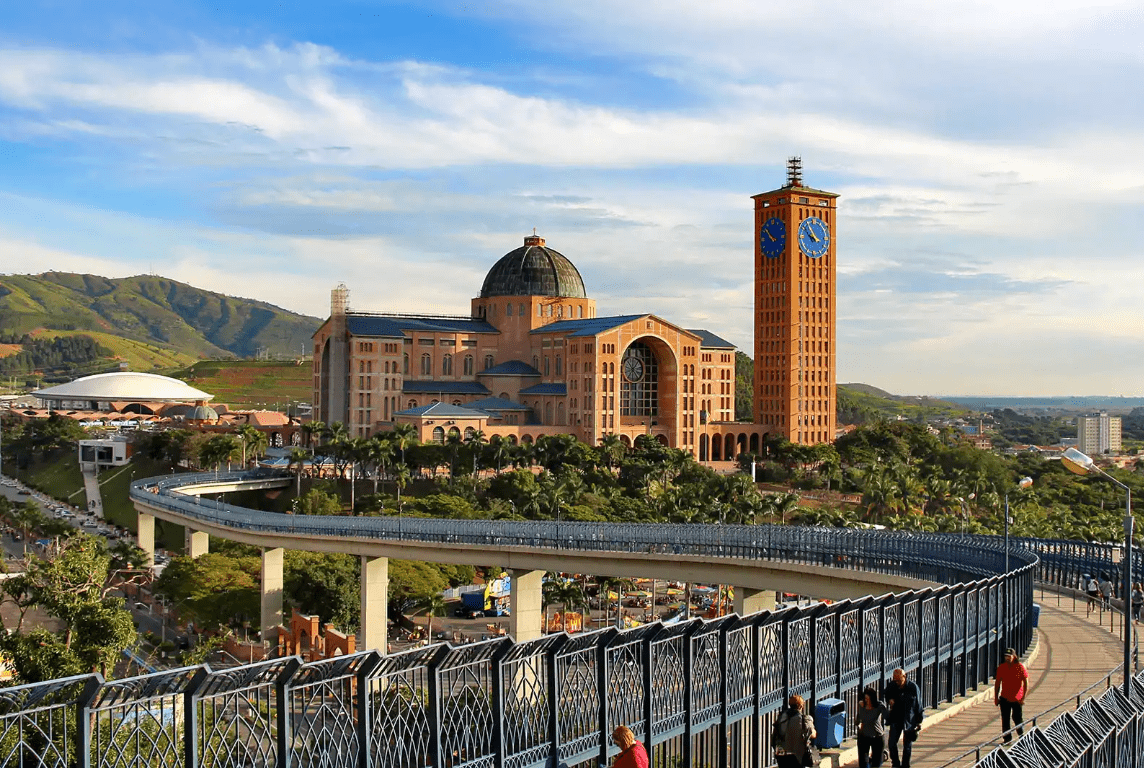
(990, 159)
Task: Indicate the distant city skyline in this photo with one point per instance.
(988, 158)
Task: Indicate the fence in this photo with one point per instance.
(696, 693)
(1106, 731)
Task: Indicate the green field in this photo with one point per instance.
(56, 474)
(114, 489)
(251, 383)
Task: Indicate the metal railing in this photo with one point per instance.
(696, 693)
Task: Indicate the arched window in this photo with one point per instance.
(639, 387)
(536, 362)
(508, 309)
(548, 413)
(438, 435)
(457, 402)
(426, 365)
(488, 362)
(559, 365)
(412, 404)
(469, 432)
(468, 365)
(547, 361)
(580, 311)
(447, 365)
(521, 308)
(405, 364)
(560, 413)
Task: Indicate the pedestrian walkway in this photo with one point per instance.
(91, 486)
(1073, 651)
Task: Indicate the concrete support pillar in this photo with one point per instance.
(145, 536)
(197, 543)
(526, 603)
(374, 604)
(271, 591)
(748, 601)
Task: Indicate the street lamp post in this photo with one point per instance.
(1081, 464)
(1024, 482)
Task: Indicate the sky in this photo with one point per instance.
(989, 158)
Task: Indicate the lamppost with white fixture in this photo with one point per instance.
(1082, 464)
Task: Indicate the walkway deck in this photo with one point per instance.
(1073, 651)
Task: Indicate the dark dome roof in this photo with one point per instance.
(534, 270)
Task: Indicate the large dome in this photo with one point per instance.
(124, 386)
(534, 270)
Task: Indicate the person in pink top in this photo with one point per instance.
(1012, 683)
(632, 753)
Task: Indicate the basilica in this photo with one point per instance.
(532, 357)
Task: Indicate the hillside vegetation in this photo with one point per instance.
(251, 383)
(159, 322)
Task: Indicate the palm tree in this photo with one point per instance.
(475, 440)
(311, 428)
(403, 436)
(433, 605)
(500, 449)
(564, 592)
(253, 438)
(298, 459)
(454, 441)
(380, 456)
(611, 449)
(401, 477)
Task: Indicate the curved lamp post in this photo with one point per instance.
(1081, 464)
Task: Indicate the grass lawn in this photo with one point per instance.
(265, 384)
(114, 487)
(56, 474)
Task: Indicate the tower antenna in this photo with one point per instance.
(794, 171)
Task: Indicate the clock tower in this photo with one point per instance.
(795, 241)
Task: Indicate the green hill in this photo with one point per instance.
(151, 322)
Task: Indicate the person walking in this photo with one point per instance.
(871, 717)
(1009, 689)
(904, 701)
(1092, 589)
(1137, 600)
(632, 752)
(1107, 591)
(791, 734)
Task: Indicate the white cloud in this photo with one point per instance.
(979, 166)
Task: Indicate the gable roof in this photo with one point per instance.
(510, 368)
(395, 326)
(443, 411)
(497, 404)
(587, 326)
(444, 388)
(708, 340)
(546, 389)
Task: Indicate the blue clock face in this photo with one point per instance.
(813, 237)
(772, 237)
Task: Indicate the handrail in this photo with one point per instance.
(1031, 722)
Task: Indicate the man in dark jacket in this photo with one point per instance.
(904, 700)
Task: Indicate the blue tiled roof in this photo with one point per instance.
(546, 389)
(511, 368)
(709, 340)
(443, 411)
(496, 404)
(443, 388)
(396, 325)
(587, 326)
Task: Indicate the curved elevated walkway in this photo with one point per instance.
(1073, 652)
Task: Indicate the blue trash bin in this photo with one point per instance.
(830, 722)
(1036, 614)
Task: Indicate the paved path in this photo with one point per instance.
(1073, 651)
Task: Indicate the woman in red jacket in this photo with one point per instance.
(632, 753)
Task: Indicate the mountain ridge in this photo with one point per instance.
(153, 312)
